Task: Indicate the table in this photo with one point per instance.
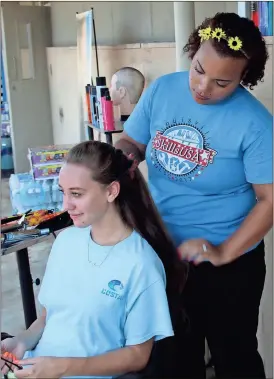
(118, 129)
(25, 278)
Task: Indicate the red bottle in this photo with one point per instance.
(88, 103)
(108, 115)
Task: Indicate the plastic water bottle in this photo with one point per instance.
(38, 196)
(56, 194)
(14, 187)
(47, 193)
(32, 195)
(59, 206)
(60, 200)
(18, 186)
(26, 198)
(55, 190)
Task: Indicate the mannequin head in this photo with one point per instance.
(127, 85)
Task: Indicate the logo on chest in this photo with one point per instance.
(181, 152)
(115, 290)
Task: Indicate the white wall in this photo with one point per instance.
(29, 99)
(265, 329)
(116, 22)
(205, 9)
(126, 22)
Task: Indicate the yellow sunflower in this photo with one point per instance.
(218, 33)
(235, 43)
(205, 34)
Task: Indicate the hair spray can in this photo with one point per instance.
(100, 87)
(108, 114)
(94, 113)
(13, 237)
(88, 102)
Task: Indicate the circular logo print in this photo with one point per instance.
(180, 150)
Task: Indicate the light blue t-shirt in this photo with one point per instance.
(92, 309)
(202, 159)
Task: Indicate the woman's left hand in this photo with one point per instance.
(200, 250)
(41, 367)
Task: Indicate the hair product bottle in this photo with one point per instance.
(108, 114)
(100, 88)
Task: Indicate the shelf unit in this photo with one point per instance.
(108, 133)
(244, 10)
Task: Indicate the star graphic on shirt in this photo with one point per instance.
(204, 155)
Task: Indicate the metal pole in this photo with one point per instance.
(95, 41)
(26, 285)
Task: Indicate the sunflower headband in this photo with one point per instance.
(233, 42)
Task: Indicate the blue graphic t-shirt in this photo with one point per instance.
(101, 298)
(202, 159)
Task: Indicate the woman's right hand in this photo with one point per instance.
(13, 346)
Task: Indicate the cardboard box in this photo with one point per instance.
(48, 154)
(49, 171)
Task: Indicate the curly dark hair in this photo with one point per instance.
(253, 44)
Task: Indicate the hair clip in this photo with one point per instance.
(133, 168)
(205, 34)
(12, 362)
(218, 33)
(235, 43)
(131, 156)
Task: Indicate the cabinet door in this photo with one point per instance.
(62, 74)
(26, 34)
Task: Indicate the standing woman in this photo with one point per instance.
(207, 142)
